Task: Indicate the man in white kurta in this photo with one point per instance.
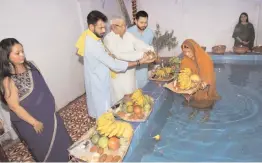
(97, 76)
(125, 46)
(97, 65)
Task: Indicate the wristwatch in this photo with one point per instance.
(138, 63)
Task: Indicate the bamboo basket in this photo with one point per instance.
(75, 156)
(240, 49)
(257, 49)
(219, 49)
(162, 80)
(171, 87)
(126, 118)
(169, 78)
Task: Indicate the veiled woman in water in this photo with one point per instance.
(201, 64)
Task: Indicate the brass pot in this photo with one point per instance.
(257, 49)
(240, 49)
(219, 49)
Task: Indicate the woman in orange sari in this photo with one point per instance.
(200, 63)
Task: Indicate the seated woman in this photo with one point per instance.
(200, 63)
(32, 105)
(244, 33)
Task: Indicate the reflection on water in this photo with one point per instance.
(232, 133)
(240, 73)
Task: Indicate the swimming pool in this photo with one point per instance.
(234, 129)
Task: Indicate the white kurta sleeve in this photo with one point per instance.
(125, 56)
(100, 54)
(140, 45)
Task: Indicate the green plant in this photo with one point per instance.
(162, 41)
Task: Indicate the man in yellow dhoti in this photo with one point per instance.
(125, 46)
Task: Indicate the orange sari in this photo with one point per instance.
(204, 67)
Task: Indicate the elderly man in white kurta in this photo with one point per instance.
(125, 46)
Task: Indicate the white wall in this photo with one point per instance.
(48, 29)
(108, 7)
(209, 22)
(259, 29)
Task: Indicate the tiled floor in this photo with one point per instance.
(76, 121)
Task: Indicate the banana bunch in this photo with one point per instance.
(129, 103)
(114, 128)
(160, 73)
(149, 100)
(163, 72)
(138, 97)
(184, 79)
(105, 119)
(168, 70)
(186, 71)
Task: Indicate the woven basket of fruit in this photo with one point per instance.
(163, 74)
(136, 109)
(108, 141)
(257, 49)
(219, 49)
(186, 83)
(240, 49)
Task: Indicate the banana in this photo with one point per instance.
(129, 103)
(100, 128)
(136, 95)
(102, 122)
(140, 101)
(148, 100)
(120, 132)
(128, 131)
(167, 70)
(138, 98)
(186, 70)
(184, 79)
(108, 116)
(116, 130)
(111, 128)
(160, 73)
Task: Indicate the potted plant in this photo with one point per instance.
(162, 41)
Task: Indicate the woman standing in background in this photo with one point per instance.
(244, 33)
(32, 105)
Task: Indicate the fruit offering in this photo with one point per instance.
(186, 80)
(163, 73)
(108, 141)
(137, 108)
(109, 127)
(107, 149)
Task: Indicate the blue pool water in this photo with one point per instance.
(233, 132)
